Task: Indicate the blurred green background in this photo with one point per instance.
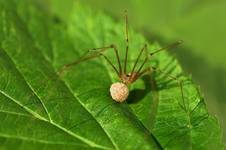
(200, 24)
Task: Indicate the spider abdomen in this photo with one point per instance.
(119, 91)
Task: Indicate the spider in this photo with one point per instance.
(119, 91)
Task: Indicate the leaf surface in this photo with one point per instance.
(41, 108)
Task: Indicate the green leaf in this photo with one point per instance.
(42, 110)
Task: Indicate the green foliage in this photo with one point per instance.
(42, 110)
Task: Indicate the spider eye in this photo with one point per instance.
(127, 75)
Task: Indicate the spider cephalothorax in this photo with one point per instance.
(129, 78)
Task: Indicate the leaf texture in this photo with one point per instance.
(42, 109)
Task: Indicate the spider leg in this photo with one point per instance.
(167, 47)
(94, 53)
(145, 60)
(179, 82)
(109, 61)
(138, 57)
(126, 40)
(142, 65)
(118, 60)
(145, 71)
(156, 51)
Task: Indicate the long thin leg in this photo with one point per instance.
(118, 59)
(126, 40)
(117, 56)
(167, 47)
(141, 51)
(145, 60)
(147, 70)
(142, 65)
(179, 82)
(86, 57)
(98, 52)
(108, 60)
(159, 50)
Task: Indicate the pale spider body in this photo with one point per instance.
(119, 91)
